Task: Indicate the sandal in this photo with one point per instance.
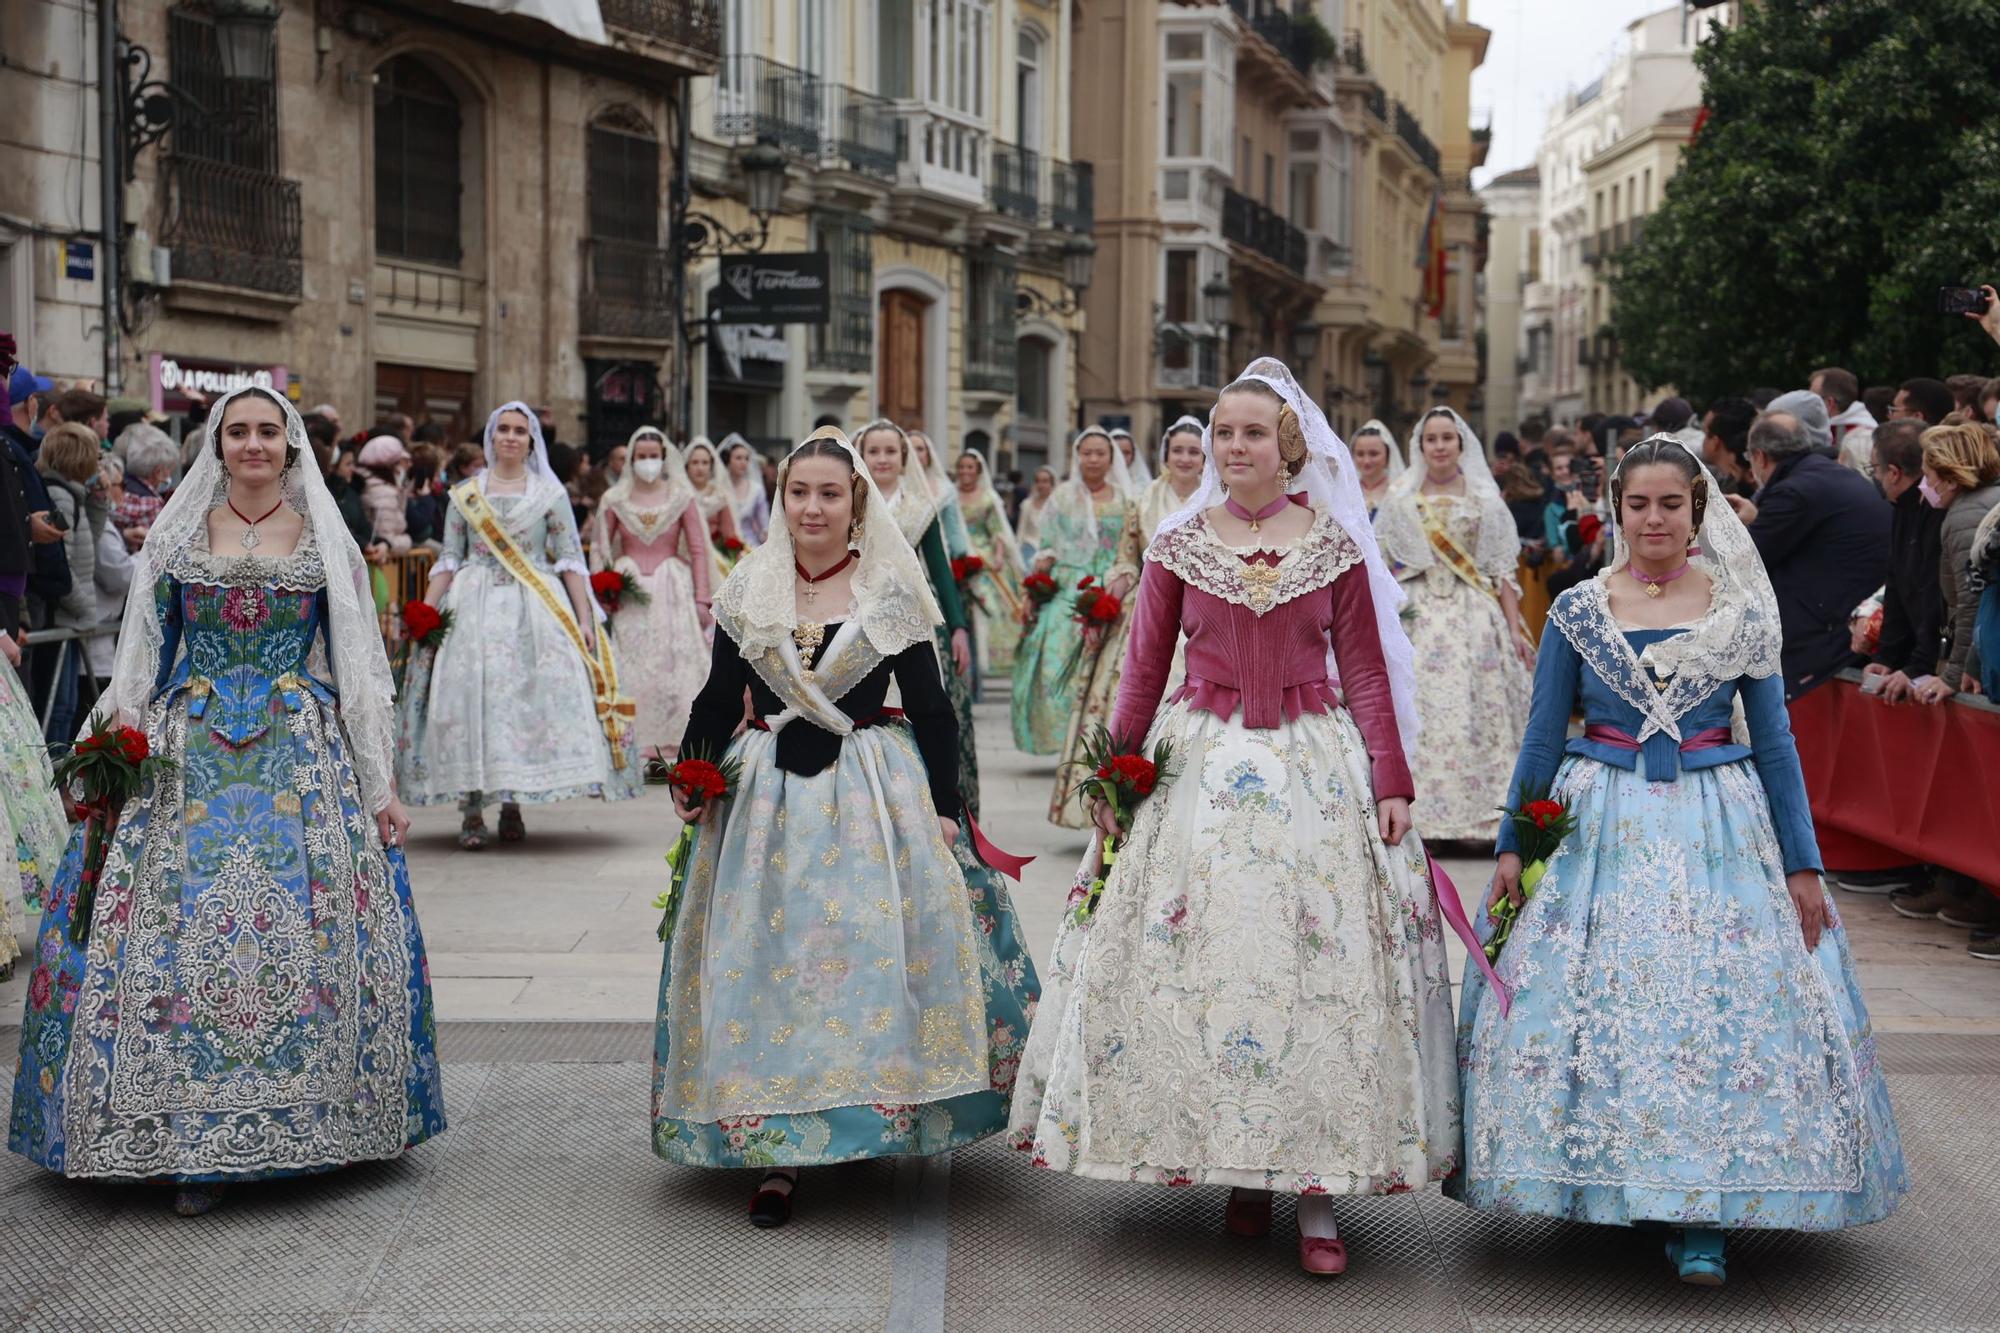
(773, 1208)
(192, 1200)
(472, 834)
(511, 827)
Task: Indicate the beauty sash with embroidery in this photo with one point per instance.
(1452, 554)
(614, 711)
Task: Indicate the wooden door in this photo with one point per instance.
(426, 394)
(901, 377)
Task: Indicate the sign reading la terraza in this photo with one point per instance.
(775, 289)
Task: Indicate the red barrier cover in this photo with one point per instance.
(1896, 784)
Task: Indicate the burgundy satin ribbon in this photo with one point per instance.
(1454, 913)
(990, 854)
(1618, 739)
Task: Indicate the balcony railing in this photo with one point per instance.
(1250, 224)
(627, 289)
(862, 131)
(757, 98)
(1377, 103)
(1072, 196)
(990, 354)
(693, 25)
(1353, 57)
(1275, 24)
(234, 226)
(422, 289)
(1412, 134)
(1016, 185)
(1188, 362)
(943, 151)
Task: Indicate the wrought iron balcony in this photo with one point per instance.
(990, 356)
(1016, 182)
(1249, 223)
(1419, 143)
(692, 25)
(627, 289)
(757, 98)
(1353, 57)
(1275, 23)
(234, 226)
(864, 132)
(1377, 103)
(1072, 196)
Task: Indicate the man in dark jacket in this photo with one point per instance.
(43, 571)
(1912, 606)
(1824, 534)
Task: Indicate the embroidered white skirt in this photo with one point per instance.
(1261, 999)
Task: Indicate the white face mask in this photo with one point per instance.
(649, 469)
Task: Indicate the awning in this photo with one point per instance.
(578, 18)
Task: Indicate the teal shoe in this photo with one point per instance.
(1697, 1253)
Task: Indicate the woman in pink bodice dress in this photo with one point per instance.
(650, 529)
(1261, 998)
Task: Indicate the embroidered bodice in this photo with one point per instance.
(806, 748)
(649, 537)
(237, 627)
(1589, 662)
(1258, 626)
(545, 537)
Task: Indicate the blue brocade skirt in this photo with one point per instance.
(1673, 1053)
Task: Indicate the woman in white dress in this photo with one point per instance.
(1033, 508)
(1136, 466)
(704, 474)
(745, 487)
(1379, 460)
(1182, 458)
(1261, 999)
(1453, 543)
(995, 596)
(521, 701)
(649, 528)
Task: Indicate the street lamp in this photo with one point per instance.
(244, 36)
(704, 236)
(1216, 297)
(1079, 261)
(1305, 342)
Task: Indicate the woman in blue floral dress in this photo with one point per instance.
(844, 979)
(249, 997)
(1686, 1042)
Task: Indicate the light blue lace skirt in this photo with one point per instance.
(1673, 1053)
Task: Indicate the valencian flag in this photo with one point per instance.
(1430, 257)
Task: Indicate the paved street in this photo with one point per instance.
(542, 1207)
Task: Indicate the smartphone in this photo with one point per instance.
(56, 521)
(1873, 684)
(1962, 301)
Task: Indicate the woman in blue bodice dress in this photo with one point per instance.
(843, 979)
(1686, 1043)
(249, 996)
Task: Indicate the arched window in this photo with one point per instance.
(624, 160)
(1028, 60)
(418, 171)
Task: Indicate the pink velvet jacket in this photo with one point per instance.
(1257, 635)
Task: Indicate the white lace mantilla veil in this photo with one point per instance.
(716, 494)
(1397, 463)
(679, 490)
(1402, 530)
(757, 608)
(751, 478)
(916, 504)
(542, 487)
(1740, 635)
(1137, 471)
(1072, 498)
(366, 690)
(1009, 539)
(1331, 486)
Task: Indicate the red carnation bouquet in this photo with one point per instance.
(1121, 776)
(964, 569)
(424, 625)
(1041, 589)
(1540, 824)
(613, 589)
(731, 549)
(1096, 608)
(102, 772)
(697, 780)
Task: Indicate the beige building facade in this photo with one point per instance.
(425, 207)
(929, 155)
(1513, 267)
(1625, 182)
(1265, 175)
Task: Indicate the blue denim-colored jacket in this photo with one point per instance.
(1566, 682)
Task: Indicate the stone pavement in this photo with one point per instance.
(542, 1208)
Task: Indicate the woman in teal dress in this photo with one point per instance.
(1686, 1043)
(1089, 527)
(843, 979)
(250, 997)
(921, 514)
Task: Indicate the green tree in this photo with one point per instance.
(1846, 171)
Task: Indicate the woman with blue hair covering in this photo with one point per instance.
(520, 702)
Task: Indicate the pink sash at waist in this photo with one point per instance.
(1618, 739)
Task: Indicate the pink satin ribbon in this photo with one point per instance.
(1454, 913)
(990, 854)
(1618, 739)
